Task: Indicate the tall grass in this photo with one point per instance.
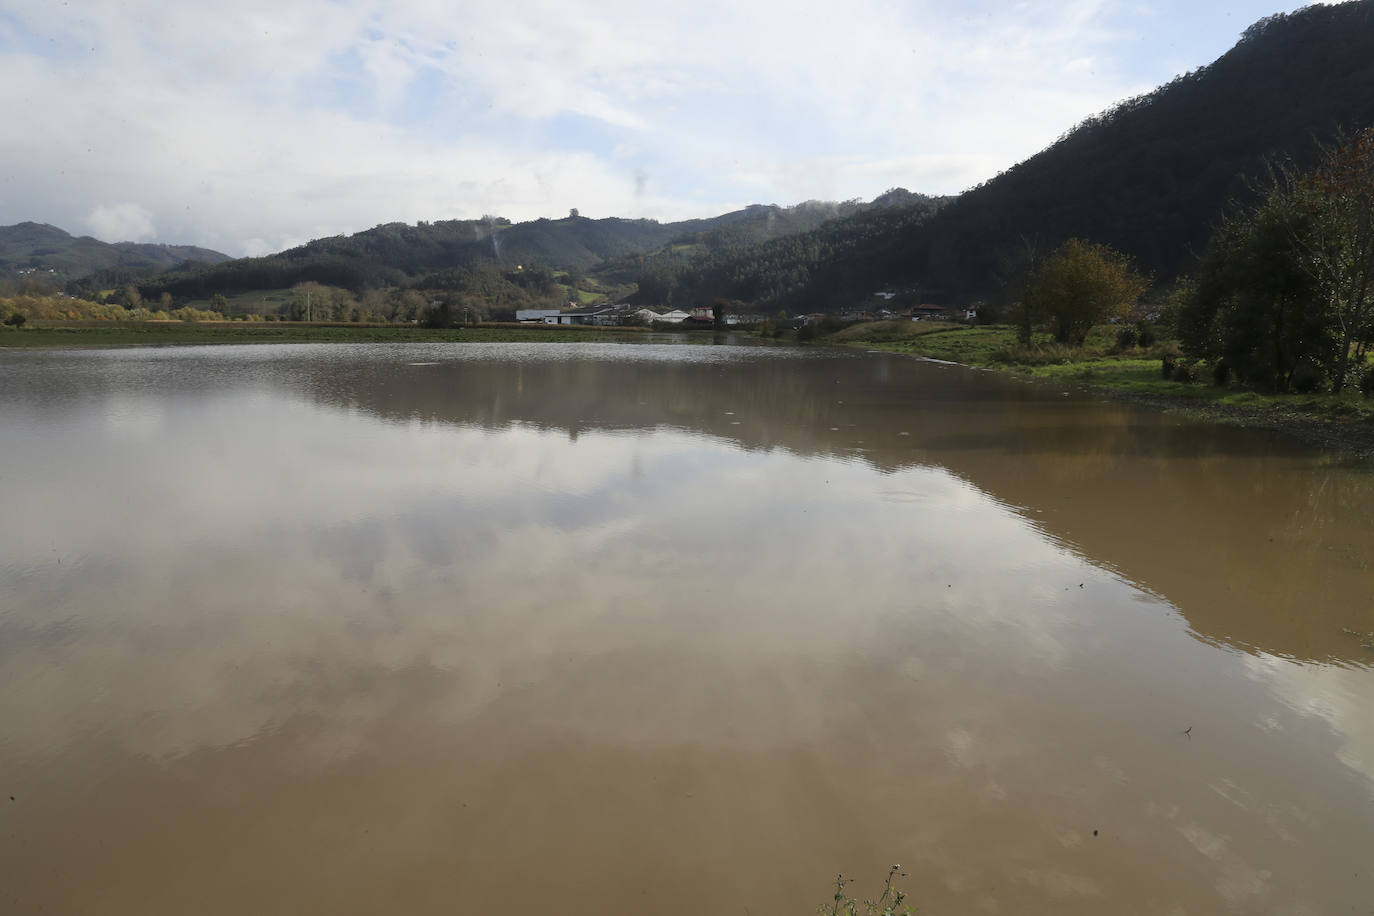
(1037, 354)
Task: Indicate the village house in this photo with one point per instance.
(536, 316)
(930, 312)
(591, 314)
(641, 315)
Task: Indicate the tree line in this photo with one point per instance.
(1283, 296)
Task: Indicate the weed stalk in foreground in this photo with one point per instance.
(886, 905)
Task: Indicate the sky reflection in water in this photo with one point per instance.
(340, 628)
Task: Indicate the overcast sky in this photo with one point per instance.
(266, 123)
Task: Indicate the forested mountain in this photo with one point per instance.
(54, 254)
(1152, 176)
(837, 263)
(397, 253)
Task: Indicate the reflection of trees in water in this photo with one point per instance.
(1259, 545)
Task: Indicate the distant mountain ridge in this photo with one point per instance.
(49, 251)
(397, 253)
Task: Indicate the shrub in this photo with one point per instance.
(1183, 372)
(1047, 354)
(806, 332)
(989, 314)
(16, 320)
(1307, 377)
(1167, 365)
(1162, 349)
(1260, 376)
(1145, 334)
(1126, 338)
(1221, 372)
(1367, 382)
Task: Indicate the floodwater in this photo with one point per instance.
(590, 629)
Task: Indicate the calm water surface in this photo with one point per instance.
(597, 629)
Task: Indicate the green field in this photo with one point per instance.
(253, 302)
(126, 334)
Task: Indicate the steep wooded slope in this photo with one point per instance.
(1152, 176)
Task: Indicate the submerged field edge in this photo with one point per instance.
(1326, 422)
(1322, 421)
(92, 336)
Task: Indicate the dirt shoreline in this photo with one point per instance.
(1353, 438)
(1324, 423)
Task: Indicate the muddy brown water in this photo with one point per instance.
(601, 629)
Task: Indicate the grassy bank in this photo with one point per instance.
(1344, 422)
(153, 333)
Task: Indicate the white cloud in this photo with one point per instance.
(121, 223)
(246, 126)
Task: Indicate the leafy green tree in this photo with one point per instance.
(1081, 284)
(1250, 301)
(1289, 286)
(1337, 249)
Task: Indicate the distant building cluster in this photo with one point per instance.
(614, 315)
(617, 315)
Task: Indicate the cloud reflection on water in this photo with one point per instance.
(346, 564)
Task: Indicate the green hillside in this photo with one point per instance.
(839, 262)
(397, 254)
(48, 252)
